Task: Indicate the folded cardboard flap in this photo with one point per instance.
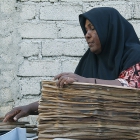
(15, 134)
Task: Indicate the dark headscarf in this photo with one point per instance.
(119, 42)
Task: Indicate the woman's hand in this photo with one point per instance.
(21, 111)
(68, 78)
(16, 113)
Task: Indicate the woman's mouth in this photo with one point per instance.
(90, 44)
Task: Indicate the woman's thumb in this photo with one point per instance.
(19, 115)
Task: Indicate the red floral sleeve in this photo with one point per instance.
(131, 75)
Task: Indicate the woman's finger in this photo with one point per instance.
(64, 81)
(70, 80)
(59, 80)
(8, 117)
(60, 75)
(67, 80)
(19, 115)
(57, 76)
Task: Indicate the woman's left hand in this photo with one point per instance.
(68, 78)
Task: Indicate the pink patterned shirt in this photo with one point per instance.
(131, 76)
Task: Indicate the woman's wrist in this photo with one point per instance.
(85, 80)
(108, 82)
(33, 108)
(90, 80)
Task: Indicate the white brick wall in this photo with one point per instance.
(124, 7)
(137, 10)
(4, 109)
(38, 30)
(8, 55)
(39, 68)
(69, 29)
(60, 47)
(60, 11)
(42, 38)
(7, 6)
(136, 25)
(28, 11)
(81, 0)
(32, 85)
(30, 48)
(5, 95)
(69, 65)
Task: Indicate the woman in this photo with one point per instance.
(112, 57)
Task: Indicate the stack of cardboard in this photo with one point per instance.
(8, 126)
(88, 111)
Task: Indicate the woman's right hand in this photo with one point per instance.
(16, 113)
(21, 111)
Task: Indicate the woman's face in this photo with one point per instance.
(92, 38)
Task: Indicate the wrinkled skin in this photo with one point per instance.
(16, 113)
(21, 111)
(92, 38)
(68, 78)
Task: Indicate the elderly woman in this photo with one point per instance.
(113, 54)
(113, 57)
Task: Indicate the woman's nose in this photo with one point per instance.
(87, 35)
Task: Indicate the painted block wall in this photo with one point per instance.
(42, 38)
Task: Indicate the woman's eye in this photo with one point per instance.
(92, 28)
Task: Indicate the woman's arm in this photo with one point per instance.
(68, 78)
(128, 78)
(103, 82)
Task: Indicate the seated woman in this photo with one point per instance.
(113, 57)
